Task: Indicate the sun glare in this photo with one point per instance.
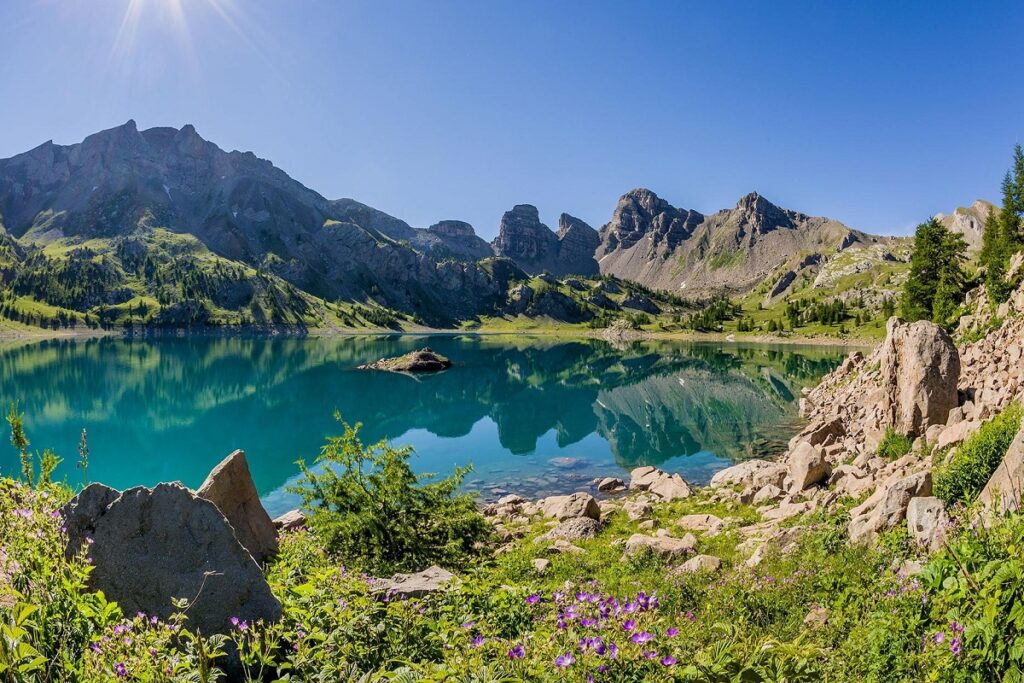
(172, 18)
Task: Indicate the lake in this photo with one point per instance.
(532, 415)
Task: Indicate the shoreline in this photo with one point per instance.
(10, 335)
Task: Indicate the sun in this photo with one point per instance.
(172, 17)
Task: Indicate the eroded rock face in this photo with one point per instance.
(149, 546)
(920, 368)
(230, 487)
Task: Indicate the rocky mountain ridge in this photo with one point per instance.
(733, 250)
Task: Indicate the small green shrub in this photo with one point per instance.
(894, 445)
(977, 458)
(371, 509)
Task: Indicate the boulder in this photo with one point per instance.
(741, 474)
(290, 521)
(415, 585)
(540, 564)
(664, 546)
(920, 368)
(610, 484)
(1002, 493)
(637, 509)
(774, 475)
(574, 529)
(230, 487)
(926, 521)
(767, 494)
(577, 505)
(151, 546)
(701, 563)
(887, 507)
(955, 433)
(665, 486)
(706, 523)
(807, 466)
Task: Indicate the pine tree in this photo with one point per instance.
(934, 287)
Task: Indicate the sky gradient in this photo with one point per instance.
(876, 114)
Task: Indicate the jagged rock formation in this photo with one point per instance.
(652, 242)
(230, 487)
(124, 182)
(969, 221)
(536, 248)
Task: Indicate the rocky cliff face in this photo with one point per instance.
(536, 248)
(969, 221)
(124, 181)
(652, 242)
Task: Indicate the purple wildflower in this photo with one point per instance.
(629, 625)
(478, 641)
(668, 660)
(642, 637)
(518, 652)
(121, 670)
(672, 632)
(532, 599)
(564, 661)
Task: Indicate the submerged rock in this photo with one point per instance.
(424, 360)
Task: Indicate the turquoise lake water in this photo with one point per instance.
(533, 416)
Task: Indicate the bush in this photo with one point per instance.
(371, 509)
(973, 463)
(894, 445)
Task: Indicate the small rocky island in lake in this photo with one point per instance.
(424, 360)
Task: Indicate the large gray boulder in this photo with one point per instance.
(741, 474)
(230, 487)
(920, 367)
(151, 546)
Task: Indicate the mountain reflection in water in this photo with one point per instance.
(535, 416)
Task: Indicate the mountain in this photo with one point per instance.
(969, 221)
(734, 250)
(124, 182)
(535, 248)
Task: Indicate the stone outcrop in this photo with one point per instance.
(230, 487)
(535, 248)
(920, 368)
(701, 563)
(424, 360)
(416, 585)
(148, 547)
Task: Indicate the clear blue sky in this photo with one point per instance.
(877, 114)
